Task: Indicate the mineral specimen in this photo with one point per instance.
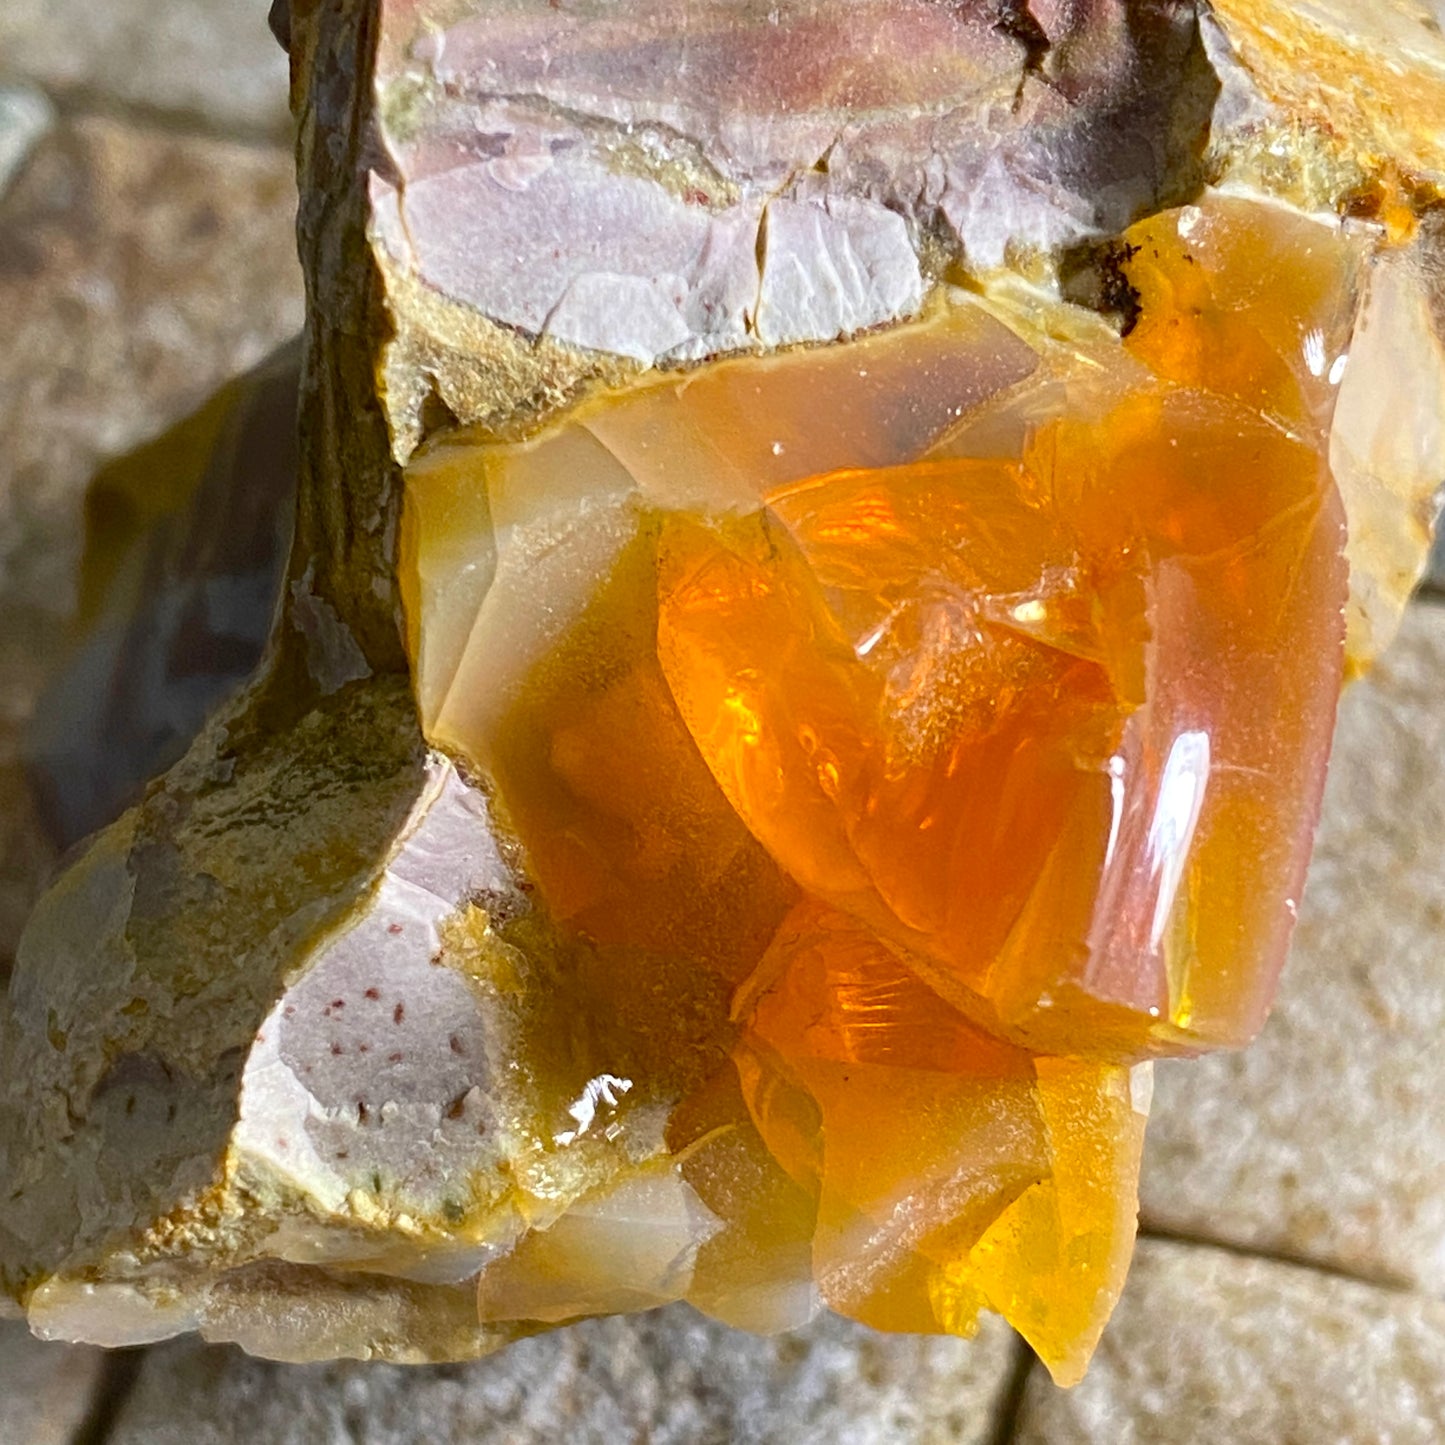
(829, 539)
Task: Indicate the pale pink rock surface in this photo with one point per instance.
(825, 150)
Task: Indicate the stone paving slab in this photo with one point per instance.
(1212, 1346)
(670, 1378)
(1326, 1139)
(138, 270)
(46, 1391)
(213, 62)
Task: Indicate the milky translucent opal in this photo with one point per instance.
(958, 699)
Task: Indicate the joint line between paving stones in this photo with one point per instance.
(1390, 1284)
(119, 1375)
(1011, 1403)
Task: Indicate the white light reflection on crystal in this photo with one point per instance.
(1116, 794)
(1176, 815)
(604, 1091)
(872, 640)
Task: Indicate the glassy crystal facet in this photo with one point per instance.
(959, 699)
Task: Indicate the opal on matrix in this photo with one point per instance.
(828, 542)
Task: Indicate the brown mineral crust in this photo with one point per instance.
(348, 493)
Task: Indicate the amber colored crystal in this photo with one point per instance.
(959, 697)
(952, 1170)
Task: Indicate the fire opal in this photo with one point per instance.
(958, 700)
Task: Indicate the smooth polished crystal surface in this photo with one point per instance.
(1022, 654)
(958, 700)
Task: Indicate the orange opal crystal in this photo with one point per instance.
(1054, 725)
(959, 697)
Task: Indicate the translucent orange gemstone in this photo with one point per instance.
(952, 1170)
(959, 699)
(1056, 727)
